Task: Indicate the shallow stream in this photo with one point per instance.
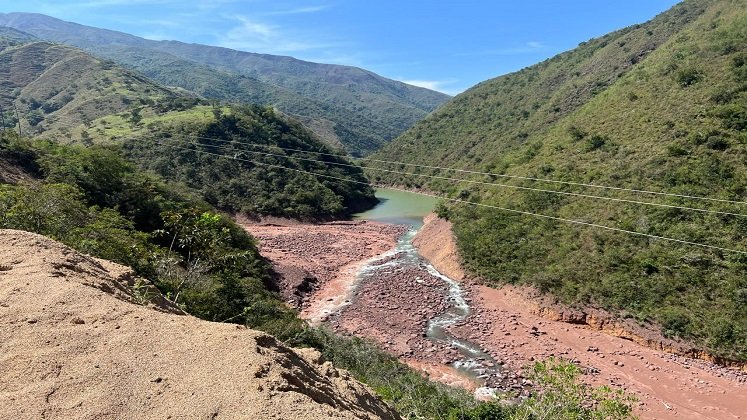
(409, 209)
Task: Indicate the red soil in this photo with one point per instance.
(394, 308)
(507, 326)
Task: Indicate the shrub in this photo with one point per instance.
(576, 133)
(688, 77)
(595, 142)
(733, 116)
(562, 396)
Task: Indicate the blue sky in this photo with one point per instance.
(439, 44)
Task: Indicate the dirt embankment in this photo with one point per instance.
(13, 172)
(75, 343)
(516, 328)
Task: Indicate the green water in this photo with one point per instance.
(399, 207)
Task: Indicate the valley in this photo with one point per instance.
(370, 286)
(315, 240)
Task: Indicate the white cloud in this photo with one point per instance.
(298, 10)
(107, 3)
(437, 85)
(528, 48)
(256, 36)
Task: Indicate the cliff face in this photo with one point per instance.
(77, 342)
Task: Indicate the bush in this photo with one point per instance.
(688, 77)
(595, 142)
(733, 116)
(442, 210)
(562, 396)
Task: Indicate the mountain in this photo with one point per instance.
(65, 95)
(344, 105)
(10, 36)
(52, 87)
(660, 106)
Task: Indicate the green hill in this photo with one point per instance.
(343, 105)
(65, 95)
(190, 146)
(660, 106)
(53, 86)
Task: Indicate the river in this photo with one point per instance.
(398, 207)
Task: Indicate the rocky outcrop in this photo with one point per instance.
(76, 342)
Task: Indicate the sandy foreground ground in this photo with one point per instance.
(393, 310)
(76, 342)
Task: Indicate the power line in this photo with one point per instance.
(527, 178)
(494, 184)
(577, 222)
(579, 184)
(638, 202)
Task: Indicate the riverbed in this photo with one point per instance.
(403, 265)
(326, 271)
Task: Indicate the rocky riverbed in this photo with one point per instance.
(394, 308)
(319, 259)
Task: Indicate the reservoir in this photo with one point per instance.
(399, 208)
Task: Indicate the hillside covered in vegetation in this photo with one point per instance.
(345, 106)
(250, 160)
(660, 106)
(67, 96)
(51, 87)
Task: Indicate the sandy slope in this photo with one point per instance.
(507, 325)
(74, 344)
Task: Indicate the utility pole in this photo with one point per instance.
(19, 120)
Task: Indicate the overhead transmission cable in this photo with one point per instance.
(494, 184)
(456, 200)
(528, 178)
(472, 172)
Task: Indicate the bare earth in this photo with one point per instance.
(74, 343)
(326, 255)
(391, 310)
(394, 308)
(507, 325)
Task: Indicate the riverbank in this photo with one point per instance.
(511, 328)
(317, 266)
(319, 260)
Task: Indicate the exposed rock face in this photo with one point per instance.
(12, 172)
(435, 242)
(75, 343)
